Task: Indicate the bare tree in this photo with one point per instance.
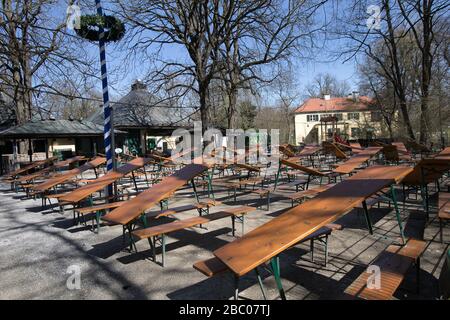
(226, 39)
(423, 18)
(403, 26)
(380, 45)
(197, 27)
(264, 35)
(325, 83)
(285, 89)
(35, 52)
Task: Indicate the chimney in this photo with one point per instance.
(355, 96)
(138, 85)
(326, 97)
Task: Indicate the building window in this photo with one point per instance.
(339, 116)
(375, 116)
(356, 132)
(353, 116)
(312, 117)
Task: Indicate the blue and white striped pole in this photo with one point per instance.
(108, 134)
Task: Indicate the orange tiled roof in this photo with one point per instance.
(335, 104)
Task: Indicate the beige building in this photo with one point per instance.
(350, 118)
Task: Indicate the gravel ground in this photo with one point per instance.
(41, 250)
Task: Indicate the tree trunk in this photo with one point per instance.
(203, 93)
(232, 101)
(406, 120)
(426, 74)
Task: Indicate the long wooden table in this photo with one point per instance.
(133, 208)
(172, 158)
(427, 171)
(100, 183)
(54, 167)
(54, 181)
(30, 166)
(332, 148)
(358, 159)
(267, 241)
(444, 154)
(311, 171)
(347, 167)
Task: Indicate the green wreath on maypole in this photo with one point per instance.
(90, 25)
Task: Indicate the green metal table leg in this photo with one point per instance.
(233, 222)
(366, 214)
(261, 285)
(194, 188)
(397, 214)
(163, 239)
(144, 219)
(275, 263)
(236, 287)
(210, 188)
(97, 218)
(278, 176)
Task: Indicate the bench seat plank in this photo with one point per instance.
(99, 207)
(191, 222)
(394, 263)
(188, 207)
(210, 267)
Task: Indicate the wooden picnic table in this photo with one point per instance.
(173, 157)
(356, 147)
(30, 166)
(358, 159)
(148, 198)
(50, 183)
(54, 167)
(100, 183)
(401, 148)
(329, 147)
(270, 239)
(444, 154)
(288, 162)
(309, 151)
(427, 171)
(286, 151)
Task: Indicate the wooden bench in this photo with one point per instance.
(202, 207)
(158, 233)
(300, 196)
(299, 183)
(444, 212)
(296, 197)
(394, 263)
(98, 209)
(234, 185)
(322, 235)
(211, 267)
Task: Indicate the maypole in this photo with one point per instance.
(108, 135)
(102, 29)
